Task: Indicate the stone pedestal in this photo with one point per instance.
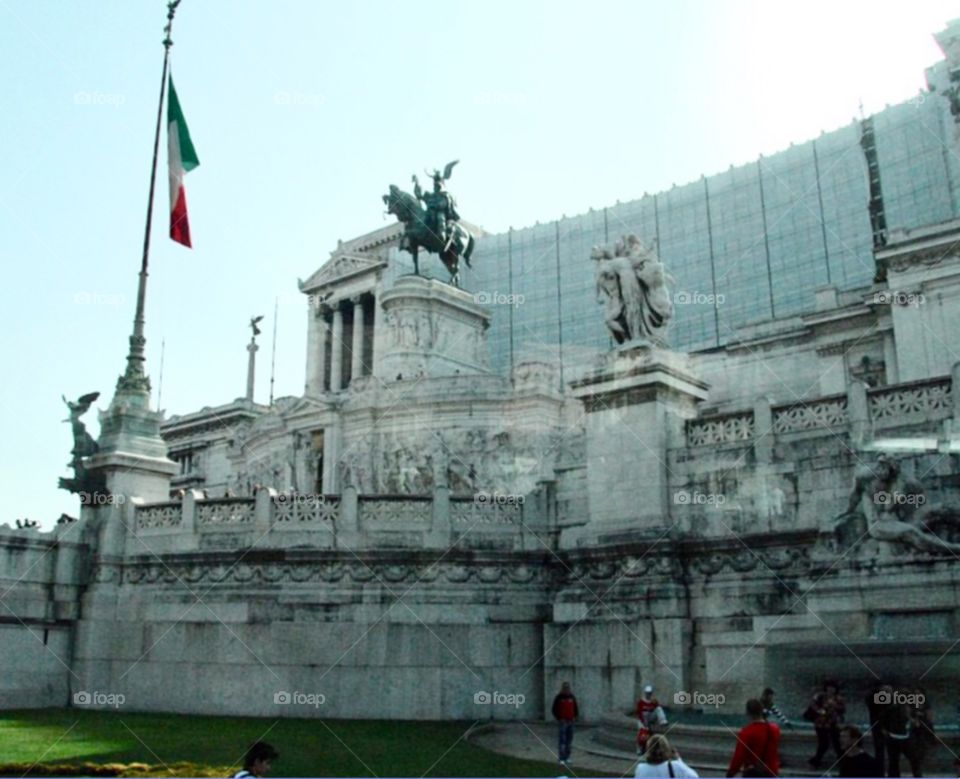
(632, 400)
(431, 329)
(133, 456)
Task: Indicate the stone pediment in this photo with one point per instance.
(301, 406)
(340, 267)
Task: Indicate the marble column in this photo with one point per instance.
(252, 348)
(316, 350)
(321, 351)
(376, 347)
(356, 363)
(336, 344)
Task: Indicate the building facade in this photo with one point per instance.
(471, 497)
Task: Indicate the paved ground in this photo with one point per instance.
(537, 741)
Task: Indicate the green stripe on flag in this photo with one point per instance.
(188, 155)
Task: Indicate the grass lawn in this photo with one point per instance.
(182, 745)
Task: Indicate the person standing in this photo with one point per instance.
(874, 708)
(758, 745)
(826, 711)
(565, 711)
(651, 718)
(770, 708)
(257, 761)
(895, 726)
(662, 760)
(855, 761)
(922, 736)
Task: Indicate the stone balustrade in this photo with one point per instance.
(394, 510)
(896, 405)
(915, 401)
(490, 512)
(225, 511)
(820, 414)
(721, 429)
(323, 520)
(159, 515)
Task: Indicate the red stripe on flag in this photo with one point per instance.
(179, 224)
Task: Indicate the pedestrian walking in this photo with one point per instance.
(566, 712)
(758, 745)
(826, 712)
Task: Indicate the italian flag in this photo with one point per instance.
(183, 159)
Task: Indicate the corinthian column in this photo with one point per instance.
(356, 363)
(316, 350)
(336, 345)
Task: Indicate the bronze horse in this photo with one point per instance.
(417, 234)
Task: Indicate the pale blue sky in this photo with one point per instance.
(303, 112)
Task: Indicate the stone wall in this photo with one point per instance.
(375, 635)
(410, 605)
(41, 577)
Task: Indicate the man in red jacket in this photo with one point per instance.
(566, 712)
(758, 745)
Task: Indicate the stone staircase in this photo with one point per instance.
(708, 747)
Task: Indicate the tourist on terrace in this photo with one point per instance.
(770, 708)
(257, 761)
(758, 745)
(826, 712)
(566, 712)
(874, 708)
(895, 725)
(855, 761)
(651, 718)
(662, 760)
(922, 735)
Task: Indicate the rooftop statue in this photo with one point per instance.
(632, 286)
(83, 446)
(431, 222)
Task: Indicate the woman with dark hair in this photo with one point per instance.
(662, 760)
(826, 712)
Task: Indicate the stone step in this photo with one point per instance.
(711, 746)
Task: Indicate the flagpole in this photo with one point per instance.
(273, 352)
(135, 377)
